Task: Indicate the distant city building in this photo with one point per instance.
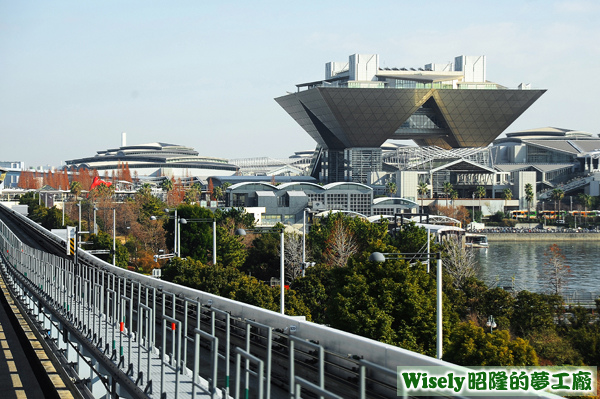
(285, 203)
(13, 171)
(359, 105)
(156, 160)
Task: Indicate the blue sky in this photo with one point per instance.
(75, 74)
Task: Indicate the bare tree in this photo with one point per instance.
(557, 271)
(293, 256)
(459, 261)
(341, 245)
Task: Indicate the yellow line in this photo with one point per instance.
(16, 381)
(11, 366)
(8, 354)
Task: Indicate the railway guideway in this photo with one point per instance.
(122, 334)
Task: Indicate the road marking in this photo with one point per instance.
(16, 380)
(11, 366)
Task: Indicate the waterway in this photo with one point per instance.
(521, 265)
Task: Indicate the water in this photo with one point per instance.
(524, 262)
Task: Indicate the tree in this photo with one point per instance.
(470, 345)
(191, 196)
(218, 193)
(453, 196)
(557, 196)
(391, 188)
(480, 193)
(529, 195)
(293, 256)
(340, 245)
(195, 238)
(167, 186)
(422, 190)
(447, 189)
(533, 312)
(557, 271)
(587, 201)
(75, 189)
(458, 262)
(506, 195)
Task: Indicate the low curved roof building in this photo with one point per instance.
(157, 159)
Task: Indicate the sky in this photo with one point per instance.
(75, 74)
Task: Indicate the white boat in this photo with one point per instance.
(473, 240)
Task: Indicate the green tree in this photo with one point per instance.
(369, 237)
(587, 201)
(392, 302)
(231, 283)
(391, 188)
(422, 190)
(533, 312)
(263, 261)
(529, 196)
(167, 185)
(192, 195)
(471, 345)
(104, 241)
(506, 195)
(195, 238)
(453, 195)
(480, 193)
(145, 190)
(75, 189)
(218, 193)
(410, 238)
(447, 189)
(553, 349)
(557, 196)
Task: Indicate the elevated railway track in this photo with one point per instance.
(122, 334)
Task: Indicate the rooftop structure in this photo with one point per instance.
(157, 159)
(359, 105)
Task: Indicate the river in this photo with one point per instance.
(521, 264)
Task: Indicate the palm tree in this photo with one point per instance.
(422, 189)
(557, 196)
(480, 193)
(587, 201)
(453, 196)
(506, 195)
(529, 195)
(391, 188)
(447, 189)
(76, 189)
(167, 185)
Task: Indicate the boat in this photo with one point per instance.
(473, 240)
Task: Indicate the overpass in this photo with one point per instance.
(118, 333)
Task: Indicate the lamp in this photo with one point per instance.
(242, 232)
(382, 257)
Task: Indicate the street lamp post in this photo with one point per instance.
(114, 236)
(95, 225)
(304, 239)
(491, 323)
(79, 206)
(382, 257)
(473, 206)
(242, 232)
(202, 220)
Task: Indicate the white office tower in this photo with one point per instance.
(123, 139)
(472, 66)
(333, 68)
(364, 67)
